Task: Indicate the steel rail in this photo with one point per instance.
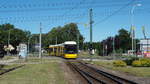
(89, 75)
(82, 74)
(117, 79)
(11, 69)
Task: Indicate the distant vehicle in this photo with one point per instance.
(67, 49)
(2, 51)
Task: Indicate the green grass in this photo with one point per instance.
(45, 73)
(35, 60)
(10, 66)
(87, 55)
(137, 71)
(7, 57)
(5, 67)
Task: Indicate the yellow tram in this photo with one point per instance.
(67, 49)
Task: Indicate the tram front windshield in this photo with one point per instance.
(71, 49)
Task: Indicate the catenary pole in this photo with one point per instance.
(40, 42)
(91, 32)
(78, 42)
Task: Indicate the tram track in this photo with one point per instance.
(96, 76)
(10, 69)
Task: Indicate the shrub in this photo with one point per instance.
(145, 62)
(129, 60)
(145, 59)
(1, 66)
(137, 63)
(141, 63)
(119, 63)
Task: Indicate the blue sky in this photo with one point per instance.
(27, 15)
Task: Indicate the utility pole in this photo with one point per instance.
(103, 49)
(106, 49)
(8, 43)
(147, 46)
(56, 40)
(132, 41)
(91, 35)
(78, 42)
(8, 37)
(29, 45)
(114, 52)
(143, 30)
(40, 42)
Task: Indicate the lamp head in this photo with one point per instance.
(138, 4)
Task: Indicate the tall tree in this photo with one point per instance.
(69, 32)
(14, 35)
(124, 40)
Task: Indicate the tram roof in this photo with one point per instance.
(55, 45)
(65, 43)
(70, 42)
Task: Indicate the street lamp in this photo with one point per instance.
(132, 26)
(132, 11)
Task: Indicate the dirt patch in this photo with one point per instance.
(139, 80)
(71, 75)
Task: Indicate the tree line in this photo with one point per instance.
(56, 35)
(121, 42)
(11, 35)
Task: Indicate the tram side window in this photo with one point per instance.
(55, 50)
(51, 50)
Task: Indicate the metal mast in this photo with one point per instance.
(91, 32)
(40, 42)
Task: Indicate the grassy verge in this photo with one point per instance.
(5, 67)
(7, 57)
(87, 55)
(10, 66)
(137, 71)
(44, 73)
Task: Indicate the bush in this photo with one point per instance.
(119, 63)
(137, 63)
(129, 60)
(141, 63)
(145, 62)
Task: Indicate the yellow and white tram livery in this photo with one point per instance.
(67, 49)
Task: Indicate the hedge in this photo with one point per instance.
(141, 63)
(119, 63)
